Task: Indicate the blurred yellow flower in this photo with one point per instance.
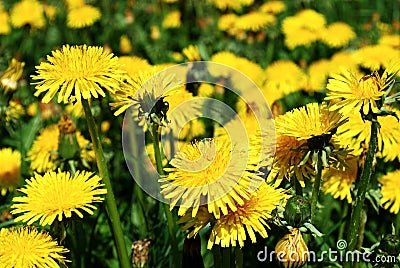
(50, 12)
(392, 40)
(14, 111)
(83, 16)
(390, 190)
(303, 29)
(71, 4)
(44, 151)
(11, 76)
(77, 71)
(356, 94)
(342, 60)
(338, 182)
(338, 34)
(10, 170)
(4, 22)
(26, 246)
(273, 7)
(284, 76)
(27, 12)
(226, 22)
(155, 32)
(231, 4)
(125, 45)
(172, 20)
(133, 64)
(56, 195)
(191, 53)
(202, 174)
(254, 21)
(374, 57)
(318, 74)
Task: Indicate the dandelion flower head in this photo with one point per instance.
(56, 195)
(10, 169)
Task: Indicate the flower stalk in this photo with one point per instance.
(111, 206)
(362, 186)
(316, 188)
(170, 220)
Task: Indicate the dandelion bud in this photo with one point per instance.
(297, 211)
(68, 144)
(390, 244)
(291, 250)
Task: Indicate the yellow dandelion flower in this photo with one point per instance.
(374, 57)
(284, 76)
(356, 132)
(83, 16)
(133, 64)
(71, 4)
(193, 129)
(75, 109)
(125, 45)
(227, 22)
(155, 32)
(172, 20)
(146, 88)
(198, 177)
(303, 29)
(44, 151)
(390, 199)
(191, 53)
(195, 224)
(356, 94)
(205, 90)
(26, 246)
(273, 7)
(11, 76)
(76, 72)
(56, 195)
(4, 22)
(318, 74)
(50, 12)
(338, 34)
(338, 182)
(27, 12)
(342, 60)
(309, 121)
(252, 216)
(10, 170)
(292, 250)
(223, 57)
(231, 4)
(255, 21)
(287, 161)
(392, 40)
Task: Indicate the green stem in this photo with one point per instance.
(226, 257)
(138, 211)
(170, 220)
(362, 187)
(217, 257)
(238, 257)
(345, 210)
(111, 206)
(316, 188)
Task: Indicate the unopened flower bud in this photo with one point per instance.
(68, 145)
(390, 244)
(297, 211)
